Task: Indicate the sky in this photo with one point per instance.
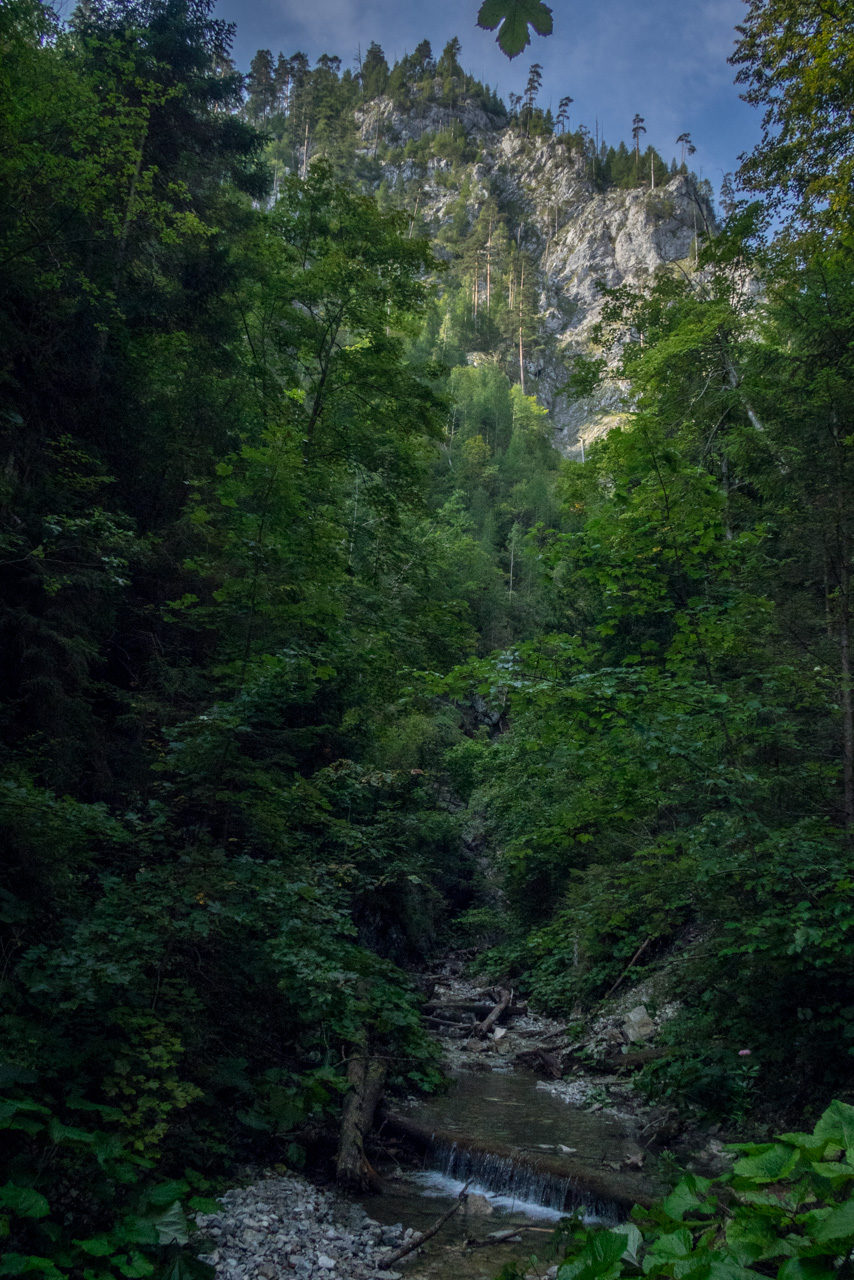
(665, 59)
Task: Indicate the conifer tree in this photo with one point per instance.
(261, 85)
(562, 120)
(637, 129)
(375, 72)
(688, 148)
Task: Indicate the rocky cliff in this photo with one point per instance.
(577, 235)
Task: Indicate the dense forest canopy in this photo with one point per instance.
(319, 656)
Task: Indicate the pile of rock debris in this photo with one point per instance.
(285, 1226)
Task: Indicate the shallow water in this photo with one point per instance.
(418, 1198)
(505, 1108)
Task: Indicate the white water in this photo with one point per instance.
(432, 1183)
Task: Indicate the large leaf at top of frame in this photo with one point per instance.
(514, 17)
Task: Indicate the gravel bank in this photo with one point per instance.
(285, 1226)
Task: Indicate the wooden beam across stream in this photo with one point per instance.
(589, 1184)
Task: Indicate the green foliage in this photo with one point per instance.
(785, 1210)
(677, 761)
(107, 1216)
(513, 19)
(803, 163)
(213, 571)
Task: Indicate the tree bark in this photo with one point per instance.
(483, 1028)
(366, 1076)
(422, 1238)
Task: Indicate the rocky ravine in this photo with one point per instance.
(282, 1225)
(577, 235)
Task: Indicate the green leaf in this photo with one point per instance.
(806, 1269)
(188, 1267)
(98, 1246)
(204, 1204)
(66, 1133)
(16, 1264)
(24, 1201)
(607, 1247)
(171, 1224)
(837, 1124)
(167, 1192)
(631, 1253)
(677, 1244)
(752, 1238)
(774, 1162)
(513, 17)
(133, 1265)
(838, 1226)
(688, 1194)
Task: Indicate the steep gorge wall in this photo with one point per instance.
(576, 234)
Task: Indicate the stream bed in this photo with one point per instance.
(529, 1158)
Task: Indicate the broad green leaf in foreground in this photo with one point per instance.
(513, 17)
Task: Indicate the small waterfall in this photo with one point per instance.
(517, 1179)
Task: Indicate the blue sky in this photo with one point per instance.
(666, 59)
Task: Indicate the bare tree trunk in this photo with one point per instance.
(414, 216)
(305, 153)
(488, 262)
(366, 1077)
(521, 352)
(484, 1028)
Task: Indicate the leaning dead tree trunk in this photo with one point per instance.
(422, 1237)
(484, 1028)
(366, 1076)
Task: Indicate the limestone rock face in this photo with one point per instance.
(577, 235)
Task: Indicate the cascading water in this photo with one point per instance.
(523, 1144)
(514, 1180)
(501, 1174)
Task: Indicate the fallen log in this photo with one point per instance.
(422, 1237)
(366, 1077)
(483, 1028)
(444, 1022)
(544, 1035)
(542, 1057)
(641, 949)
(639, 1058)
(497, 1237)
(474, 1008)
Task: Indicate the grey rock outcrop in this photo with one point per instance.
(578, 236)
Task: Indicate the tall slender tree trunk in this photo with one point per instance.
(521, 349)
(414, 216)
(488, 263)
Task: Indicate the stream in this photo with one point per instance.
(528, 1149)
(529, 1158)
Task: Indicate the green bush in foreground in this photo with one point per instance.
(786, 1210)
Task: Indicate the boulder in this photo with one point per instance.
(638, 1025)
(478, 1206)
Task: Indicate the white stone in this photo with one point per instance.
(638, 1025)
